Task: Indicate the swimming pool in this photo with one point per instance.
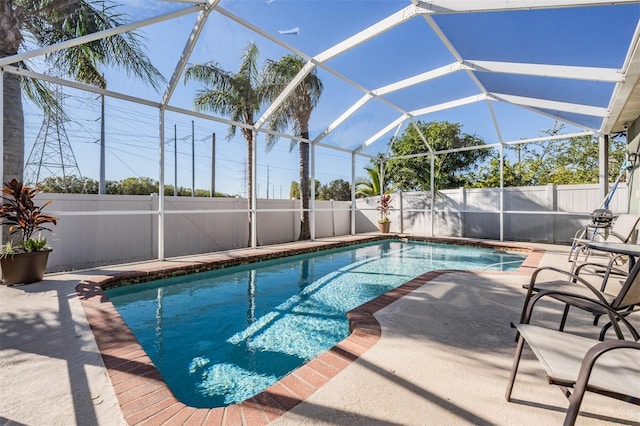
(220, 337)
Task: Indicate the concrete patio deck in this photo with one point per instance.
(443, 357)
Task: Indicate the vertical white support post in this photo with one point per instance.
(501, 192)
(193, 159)
(161, 191)
(312, 201)
(552, 205)
(102, 186)
(401, 207)
(175, 160)
(603, 169)
(213, 164)
(353, 193)
(432, 183)
(463, 213)
(254, 189)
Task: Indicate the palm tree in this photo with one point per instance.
(295, 111)
(371, 187)
(376, 185)
(237, 95)
(48, 22)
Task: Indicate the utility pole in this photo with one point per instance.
(267, 181)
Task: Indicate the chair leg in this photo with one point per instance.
(564, 317)
(603, 332)
(575, 400)
(527, 298)
(514, 368)
(608, 325)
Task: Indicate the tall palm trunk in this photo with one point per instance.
(13, 117)
(305, 187)
(249, 168)
(13, 129)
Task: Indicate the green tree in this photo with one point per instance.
(487, 174)
(569, 161)
(414, 174)
(371, 187)
(339, 190)
(238, 95)
(44, 23)
(561, 162)
(295, 111)
(113, 187)
(294, 190)
(69, 185)
(139, 186)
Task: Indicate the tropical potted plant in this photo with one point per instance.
(24, 257)
(384, 207)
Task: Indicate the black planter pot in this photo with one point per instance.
(24, 268)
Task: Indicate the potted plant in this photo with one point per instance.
(24, 257)
(384, 206)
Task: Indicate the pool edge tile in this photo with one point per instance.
(119, 347)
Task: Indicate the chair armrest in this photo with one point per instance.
(608, 269)
(614, 316)
(588, 363)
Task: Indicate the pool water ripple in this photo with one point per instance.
(222, 336)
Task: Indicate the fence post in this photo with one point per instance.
(552, 205)
(463, 210)
(154, 205)
(401, 204)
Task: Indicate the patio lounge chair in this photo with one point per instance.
(625, 300)
(610, 367)
(622, 231)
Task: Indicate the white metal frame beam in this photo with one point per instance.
(382, 132)
(97, 36)
(419, 112)
(557, 71)
(399, 85)
(497, 145)
(368, 33)
(445, 40)
(187, 50)
(80, 86)
(552, 105)
(470, 6)
(448, 105)
(622, 92)
(418, 79)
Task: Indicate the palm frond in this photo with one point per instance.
(53, 21)
(43, 95)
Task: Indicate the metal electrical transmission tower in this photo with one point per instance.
(51, 155)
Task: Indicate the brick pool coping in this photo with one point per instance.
(145, 398)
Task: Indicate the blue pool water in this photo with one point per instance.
(222, 336)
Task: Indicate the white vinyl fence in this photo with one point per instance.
(548, 214)
(96, 230)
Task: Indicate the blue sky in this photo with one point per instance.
(593, 36)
